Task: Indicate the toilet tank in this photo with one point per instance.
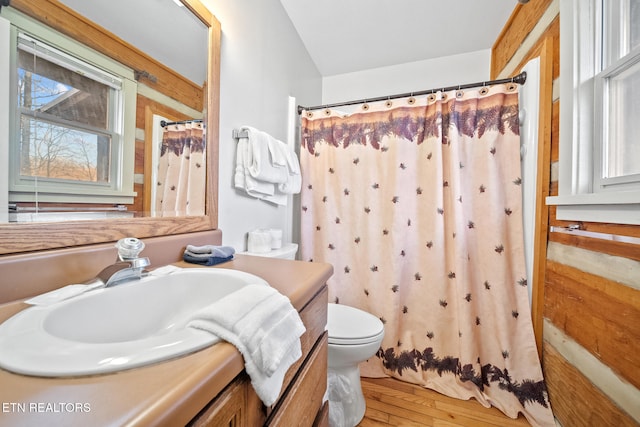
(287, 251)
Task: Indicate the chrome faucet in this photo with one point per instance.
(128, 266)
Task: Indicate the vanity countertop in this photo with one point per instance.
(167, 393)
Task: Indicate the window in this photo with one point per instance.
(71, 140)
(599, 168)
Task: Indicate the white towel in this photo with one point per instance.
(243, 179)
(266, 168)
(277, 153)
(265, 328)
(294, 179)
(265, 159)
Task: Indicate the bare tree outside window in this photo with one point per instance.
(63, 122)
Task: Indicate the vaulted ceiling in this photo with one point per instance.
(344, 36)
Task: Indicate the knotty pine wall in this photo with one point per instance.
(586, 295)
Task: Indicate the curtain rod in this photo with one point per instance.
(164, 123)
(519, 79)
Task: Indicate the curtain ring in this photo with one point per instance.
(365, 106)
(327, 112)
(459, 93)
(411, 99)
(389, 103)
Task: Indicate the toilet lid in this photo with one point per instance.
(349, 325)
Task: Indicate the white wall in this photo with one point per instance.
(263, 62)
(404, 78)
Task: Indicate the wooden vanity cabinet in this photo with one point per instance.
(300, 402)
(229, 408)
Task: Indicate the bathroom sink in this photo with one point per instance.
(117, 328)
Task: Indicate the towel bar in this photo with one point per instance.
(240, 133)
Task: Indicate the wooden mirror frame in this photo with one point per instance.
(27, 237)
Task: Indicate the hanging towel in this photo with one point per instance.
(243, 180)
(266, 168)
(294, 179)
(339, 394)
(264, 327)
(266, 160)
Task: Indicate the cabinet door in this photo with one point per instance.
(303, 401)
(226, 410)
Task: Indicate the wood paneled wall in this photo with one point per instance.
(591, 345)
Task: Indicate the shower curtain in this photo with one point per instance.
(417, 205)
(182, 168)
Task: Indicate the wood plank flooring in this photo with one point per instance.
(395, 403)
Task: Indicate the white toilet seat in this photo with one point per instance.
(351, 326)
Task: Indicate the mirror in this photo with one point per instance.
(157, 78)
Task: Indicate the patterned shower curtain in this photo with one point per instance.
(417, 205)
(182, 168)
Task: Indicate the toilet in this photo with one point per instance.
(354, 336)
(286, 251)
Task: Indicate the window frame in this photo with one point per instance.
(581, 195)
(120, 189)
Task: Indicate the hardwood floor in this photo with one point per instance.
(394, 403)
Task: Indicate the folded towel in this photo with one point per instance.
(208, 261)
(208, 254)
(265, 328)
(211, 250)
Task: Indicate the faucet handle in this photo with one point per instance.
(129, 248)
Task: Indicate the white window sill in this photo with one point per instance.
(123, 198)
(617, 208)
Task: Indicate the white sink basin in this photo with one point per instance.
(117, 328)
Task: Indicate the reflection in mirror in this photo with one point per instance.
(79, 149)
(180, 175)
(160, 90)
(163, 29)
(70, 133)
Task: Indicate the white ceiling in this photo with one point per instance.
(344, 36)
